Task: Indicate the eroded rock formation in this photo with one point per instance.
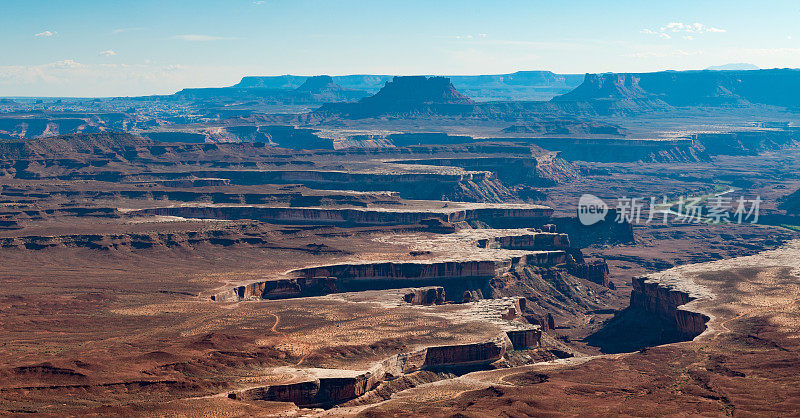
(593, 270)
(525, 338)
(667, 302)
(433, 295)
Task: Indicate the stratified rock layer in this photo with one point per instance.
(457, 275)
(503, 215)
(326, 391)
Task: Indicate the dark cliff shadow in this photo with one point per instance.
(634, 329)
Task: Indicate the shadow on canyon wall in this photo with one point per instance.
(634, 329)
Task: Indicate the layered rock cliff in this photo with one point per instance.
(533, 242)
(510, 170)
(749, 142)
(623, 150)
(145, 241)
(520, 216)
(433, 295)
(454, 277)
(667, 301)
(334, 387)
(471, 186)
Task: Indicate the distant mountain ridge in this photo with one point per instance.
(316, 89)
(777, 87)
(736, 66)
(520, 85)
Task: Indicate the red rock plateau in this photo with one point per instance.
(411, 249)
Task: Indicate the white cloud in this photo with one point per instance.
(659, 34)
(257, 2)
(663, 54)
(123, 30)
(45, 34)
(108, 53)
(471, 36)
(690, 29)
(202, 38)
(65, 65)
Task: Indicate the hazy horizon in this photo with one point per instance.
(341, 75)
(89, 49)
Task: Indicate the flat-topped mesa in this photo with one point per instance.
(606, 86)
(455, 277)
(667, 301)
(318, 84)
(414, 90)
(405, 95)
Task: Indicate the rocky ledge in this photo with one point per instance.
(458, 276)
(501, 215)
(328, 387)
(667, 297)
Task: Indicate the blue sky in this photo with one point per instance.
(115, 47)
